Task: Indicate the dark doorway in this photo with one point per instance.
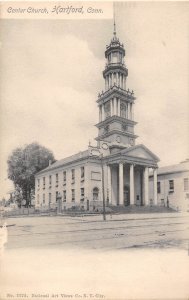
(126, 195)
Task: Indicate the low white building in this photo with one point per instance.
(172, 186)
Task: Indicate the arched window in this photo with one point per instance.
(95, 193)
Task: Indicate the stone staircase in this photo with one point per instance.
(133, 209)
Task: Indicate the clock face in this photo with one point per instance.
(118, 139)
(104, 146)
(95, 152)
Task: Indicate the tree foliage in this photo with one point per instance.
(24, 163)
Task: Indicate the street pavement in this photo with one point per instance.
(123, 231)
(128, 256)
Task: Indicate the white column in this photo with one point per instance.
(146, 187)
(117, 79)
(155, 186)
(120, 183)
(125, 82)
(106, 83)
(111, 79)
(114, 104)
(128, 112)
(102, 112)
(131, 115)
(132, 200)
(118, 112)
(111, 107)
(109, 184)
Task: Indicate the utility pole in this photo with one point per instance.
(103, 193)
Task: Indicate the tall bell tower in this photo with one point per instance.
(116, 103)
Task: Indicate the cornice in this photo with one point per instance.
(116, 91)
(128, 134)
(115, 118)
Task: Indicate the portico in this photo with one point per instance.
(128, 177)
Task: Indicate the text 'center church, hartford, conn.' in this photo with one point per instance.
(116, 169)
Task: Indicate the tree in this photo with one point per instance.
(24, 163)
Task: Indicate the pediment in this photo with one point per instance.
(140, 151)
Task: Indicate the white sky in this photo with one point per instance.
(52, 72)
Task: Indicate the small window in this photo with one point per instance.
(82, 172)
(171, 185)
(49, 197)
(38, 183)
(186, 184)
(56, 178)
(64, 196)
(50, 179)
(82, 194)
(64, 177)
(159, 187)
(73, 195)
(73, 174)
(43, 182)
(43, 198)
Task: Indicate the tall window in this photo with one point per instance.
(57, 179)
(44, 182)
(50, 179)
(64, 196)
(186, 184)
(82, 172)
(49, 197)
(95, 193)
(64, 177)
(82, 194)
(56, 195)
(159, 187)
(73, 174)
(107, 109)
(123, 110)
(73, 195)
(171, 185)
(43, 198)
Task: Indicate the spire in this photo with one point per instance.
(114, 39)
(114, 26)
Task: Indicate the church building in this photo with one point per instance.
(116, 170)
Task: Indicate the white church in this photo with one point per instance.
(114, 172)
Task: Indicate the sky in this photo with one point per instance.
(51, 74)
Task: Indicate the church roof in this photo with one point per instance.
(69, 159)
(181, 167)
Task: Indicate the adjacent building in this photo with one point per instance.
(172, 186)
(116, 168)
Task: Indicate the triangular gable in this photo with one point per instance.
(140, 151)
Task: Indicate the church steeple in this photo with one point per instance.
(116, 120)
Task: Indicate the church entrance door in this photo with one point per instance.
(126, 195)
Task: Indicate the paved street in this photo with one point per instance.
(128, 255)
(168, 230)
